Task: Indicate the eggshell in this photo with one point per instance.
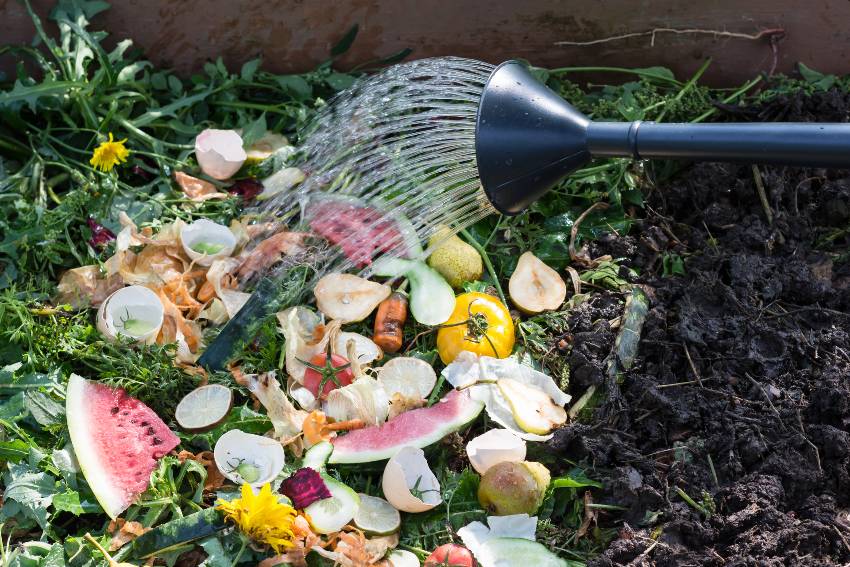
(207, 232)
(494, 447)
(236, 446)
(131, 302)
(401, 474)
(219, 153)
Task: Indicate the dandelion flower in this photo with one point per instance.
(262, 517)
(109, 154)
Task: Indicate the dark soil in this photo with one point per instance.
(740, 396)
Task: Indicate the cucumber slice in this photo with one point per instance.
(317, 456)
(432, 299)
(376, 516)
(403, 558)
(512, 551)
(331, 514)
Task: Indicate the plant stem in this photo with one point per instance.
(487, 263)
(691, 502)
(241, 550)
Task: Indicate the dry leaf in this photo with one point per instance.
(197, 189)
(123, 532)
(400, 404)
(286, 419)
(304, 540)
(269, 251)
(84, 287)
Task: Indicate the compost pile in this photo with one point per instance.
(649, 366)
(739, 396)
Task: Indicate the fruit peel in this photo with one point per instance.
(456, 260)
(469, 368)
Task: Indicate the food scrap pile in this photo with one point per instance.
(343, 395)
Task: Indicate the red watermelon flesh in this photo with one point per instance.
(415, 428)
(361, 231)
(117, 440)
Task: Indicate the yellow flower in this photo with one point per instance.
(261, 517)
(109, 154)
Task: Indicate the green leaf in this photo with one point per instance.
(249, 69)
(44, 409)
(816, 78)
(13, 451)
(175, 85)
(296, 86)
(345, 43)
(32, 490)
(216, 554)
(339, 81)
(170, 109)
(662, 74)
(254, 131)
(69, 502)
(34, 94)
(574, 482)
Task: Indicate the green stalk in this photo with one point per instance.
(746, 87)
(487, 263)
(691, 82)
(638, 72)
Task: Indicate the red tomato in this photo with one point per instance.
(313, 377)
(450, 555)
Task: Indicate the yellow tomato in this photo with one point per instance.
(481, 324)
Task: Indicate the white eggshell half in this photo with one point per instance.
(235, 447)
(402, 473)
(494, 447)
(210, 233)
(133, 311)
(219, 153)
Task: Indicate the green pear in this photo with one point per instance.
(513, 488)
(455, 260)
(532, 408)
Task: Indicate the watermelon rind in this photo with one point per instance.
(367, 449)
(110, 496)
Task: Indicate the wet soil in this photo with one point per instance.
(740, 395)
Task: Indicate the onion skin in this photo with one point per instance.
(389, 322)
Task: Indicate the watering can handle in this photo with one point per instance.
(810, 144)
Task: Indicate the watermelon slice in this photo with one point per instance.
(117, 440)
(361, 230)
(415, 428)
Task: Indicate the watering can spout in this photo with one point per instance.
(528, 139)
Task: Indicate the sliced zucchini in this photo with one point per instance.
(331, 514)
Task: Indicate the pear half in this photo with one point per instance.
(532, 408)
(534, 287)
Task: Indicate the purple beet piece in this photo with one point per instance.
(304, 487)
(100, 235)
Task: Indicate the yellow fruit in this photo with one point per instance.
(513, 488)
(456, 260)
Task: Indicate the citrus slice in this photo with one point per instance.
(402, 558)
(407, 376)
(204, 407)
(376, 516)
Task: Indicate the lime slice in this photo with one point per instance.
(402, 558)
(376, 516)
(410, 377)
(204, 407)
